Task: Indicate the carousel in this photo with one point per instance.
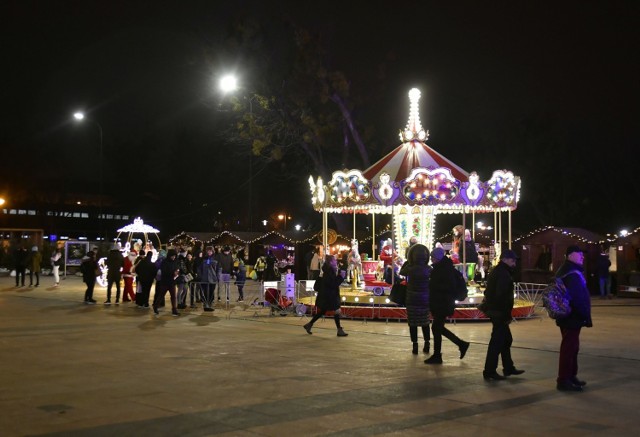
(413, 184)
(135, 236)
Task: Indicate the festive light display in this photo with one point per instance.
(350, 186)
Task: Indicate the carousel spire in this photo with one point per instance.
(414, 129)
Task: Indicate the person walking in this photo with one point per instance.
(146, 272)
(225, 271)
(580, 301)
(417, 272)
(89, 269)
(328, 298)
(115, 262)
(34, 266)
(168, 273)
(442, 304)
(260, 265)
(499, 303)
(21, 257)
(56, 262)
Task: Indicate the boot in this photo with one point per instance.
(434, 359)
(307, 328)
(426, 347)
(415, 348)
(463, 349)
(341, 333)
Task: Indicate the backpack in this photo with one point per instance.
(555, 298)
(460, 290)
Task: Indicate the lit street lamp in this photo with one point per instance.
(284, 217)
(229, 84)
(79, 116)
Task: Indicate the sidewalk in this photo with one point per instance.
(72, 369)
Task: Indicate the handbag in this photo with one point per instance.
(188, 277)
(398, 294)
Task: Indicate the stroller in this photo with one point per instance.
(278, 303)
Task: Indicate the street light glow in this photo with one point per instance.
(228, 83)
(78, 116)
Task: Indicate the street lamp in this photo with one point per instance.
(79, 116)
(284, 217)
(229, 84)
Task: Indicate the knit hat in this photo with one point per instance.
(572, 249)
(437, 254)
(509, 254)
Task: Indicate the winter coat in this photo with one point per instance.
(21, 257)
(579, 298)
(499, 293)
(168, 270)
(602, 266)
(146, 271)
(207, 270)
(115, 262)
(471, 254)
(88, 269)
(225, 263)
(441, 284)
(35, 261)
(241, 273)
(328, 297)
(417, 273)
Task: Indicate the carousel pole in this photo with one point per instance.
(500, 232)
(463, 243)
(354, 224)
(473, 225)
(495, 230)
(373, 237)
(509, 229)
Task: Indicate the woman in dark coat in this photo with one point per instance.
(417, 273)
(442, 304)
(328, 298)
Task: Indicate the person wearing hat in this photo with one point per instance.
(572, 275)
(128, 294)
(169, 270)
(442, 304)
(115, 263)
(498, 298)
(34, 266)
(417, 272)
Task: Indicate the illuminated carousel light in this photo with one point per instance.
(387, 300)
(370, 300)
(357, 299)
(343, 298)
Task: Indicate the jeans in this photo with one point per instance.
(605, 286)
(569, 348)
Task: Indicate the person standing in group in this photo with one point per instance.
(328, 298)
(572, 275)
(604, 278)
(442, 304)
(181, 281)
(146, 272)
(270, 268)
(168, 273)
(56, 262)
(89, 269)
(499, 304)
(260, 265)
(417, 272)
(34, 266)
(20, 257)
(115, 262)
(315, 264)
(241, 274)
(412, 242)
(208, 278)
(225, 271)
(128, 294)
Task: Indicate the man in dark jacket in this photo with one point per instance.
(20, 256)
(499, 303)
(570, 326)
(146, 272)
(225, 270)
(442, 304)
(169, 270)
(114, 262)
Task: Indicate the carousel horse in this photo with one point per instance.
(355, 266)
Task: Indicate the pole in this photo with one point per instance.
(101, 217)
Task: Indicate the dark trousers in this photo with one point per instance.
(208, 294)
(88, 295)
(413, 333)
(142, 298)
(20, 273)
(161, 292)
(31, 273)
(320, 313)
(110, 282)
(500, 344)
(569, 348)
(440, 330)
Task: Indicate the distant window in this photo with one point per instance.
(22, 212)
(76, 214)
(117, 217)
(50, 213)
(65, 214)
(125, 217)
(31, 212)
(13, 211)
(84, 215)
(109, 216)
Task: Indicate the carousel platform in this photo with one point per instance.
(364, 304)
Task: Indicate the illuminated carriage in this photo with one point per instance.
(414, 184)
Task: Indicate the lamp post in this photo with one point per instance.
(229, 84)
(79, 116)
(284, 217)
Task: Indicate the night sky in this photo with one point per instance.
(549, 90)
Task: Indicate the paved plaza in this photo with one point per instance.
(71, 369)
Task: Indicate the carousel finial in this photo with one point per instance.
(414, 129)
